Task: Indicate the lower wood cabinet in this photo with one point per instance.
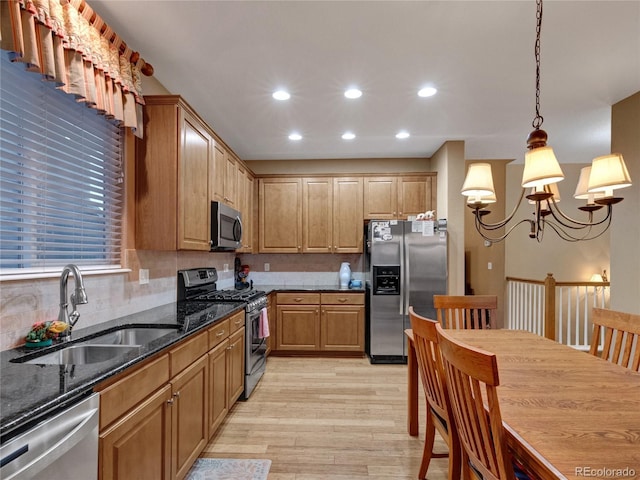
(155, 421)
(236, 366)
(313, 322)
(138, 446)
(189, 416)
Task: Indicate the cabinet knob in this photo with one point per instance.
(219, 334)
(342, 300)
(177, 394)
(170, 401)
(297, 299)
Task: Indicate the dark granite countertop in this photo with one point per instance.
(309, 288)
(31, 392)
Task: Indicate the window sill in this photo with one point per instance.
(56, 274)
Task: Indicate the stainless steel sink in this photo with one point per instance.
(131, 336)
(83, 353)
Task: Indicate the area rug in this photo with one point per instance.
(229, 469)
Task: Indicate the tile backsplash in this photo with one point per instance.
(25, 302)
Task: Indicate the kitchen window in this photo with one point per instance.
(61, 179)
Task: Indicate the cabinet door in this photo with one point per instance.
(219, 172)
(298, 327)
(414, 196)
(139, 445)
(380, 198)
(348, 218)
(342, 328)
(230, 180)
(194, 206)
(317, 215)
(247, 212)
(218, 385)
(241, 202)
(190, 427)
(236, 366)
(280, 215)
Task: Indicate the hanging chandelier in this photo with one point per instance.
(541, 174)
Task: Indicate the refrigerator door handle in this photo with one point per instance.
(403, 267)
(406, 277)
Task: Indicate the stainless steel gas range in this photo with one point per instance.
(197, 291)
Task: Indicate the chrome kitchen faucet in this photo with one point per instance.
(78, 297)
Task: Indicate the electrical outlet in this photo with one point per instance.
(267, 267)
(226, 267)
(143, 276)
(489, 266)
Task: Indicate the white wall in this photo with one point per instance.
(448, 161)
(625, 232)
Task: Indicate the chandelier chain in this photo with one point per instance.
(538, 119)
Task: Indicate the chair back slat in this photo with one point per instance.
(470, 372)
(621, 337)
(466, 311)
(425, 340)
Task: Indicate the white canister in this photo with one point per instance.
(345, 275)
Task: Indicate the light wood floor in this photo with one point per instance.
(327, 419)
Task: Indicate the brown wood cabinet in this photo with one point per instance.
(155, 421)
(174, 162)
(244, 194)
(280, 213)
(342, 322)
(317, 215)
(189, 416)
(314, 322)
(139, 444)
(224, 184)
(398, 197)
(348, 218)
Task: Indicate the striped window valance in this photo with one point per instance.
(67, 43)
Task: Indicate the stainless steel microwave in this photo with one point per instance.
(226, 228)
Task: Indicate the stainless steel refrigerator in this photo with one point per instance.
(406, 266)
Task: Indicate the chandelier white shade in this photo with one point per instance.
(608, 173)
(541, 168)
(479, 181)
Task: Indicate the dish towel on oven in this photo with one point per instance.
(263, 331)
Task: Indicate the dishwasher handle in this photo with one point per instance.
(37, 449)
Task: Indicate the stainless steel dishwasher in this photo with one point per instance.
(64, 446)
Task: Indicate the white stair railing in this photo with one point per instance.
(560, 311)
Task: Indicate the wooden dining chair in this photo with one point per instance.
(621, 333)
(425, 340)
(468, 372)
(466, 311)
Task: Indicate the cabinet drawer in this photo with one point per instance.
(188, 352)
(298, 299)
(342, 299)
(118, 398)
(218, 333)
(236, 322)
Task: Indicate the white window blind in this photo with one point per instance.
(61, 189)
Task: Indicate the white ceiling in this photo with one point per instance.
(227, 57)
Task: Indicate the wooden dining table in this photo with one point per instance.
(567, 414)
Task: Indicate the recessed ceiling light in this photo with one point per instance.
(295, 136)
(348, 136)
(427, 92)
(281, 95)
(353, 93)
(402, 134)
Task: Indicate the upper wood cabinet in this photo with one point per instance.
(225, 176)
(348, 219)
(317, 215)
(280, 213)
(244, 203)
(173, 167)
(398, 197)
